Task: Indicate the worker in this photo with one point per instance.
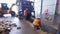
(37, 23)
(25, 12)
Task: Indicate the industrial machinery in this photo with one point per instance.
(5, 10)
(26, 5)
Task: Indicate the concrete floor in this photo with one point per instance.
(26, 27)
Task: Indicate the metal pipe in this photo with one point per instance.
(41, 9)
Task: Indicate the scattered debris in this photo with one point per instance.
(18, 27)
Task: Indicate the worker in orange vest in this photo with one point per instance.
(37, 23)
(25, 12)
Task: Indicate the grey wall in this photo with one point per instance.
(50, 5)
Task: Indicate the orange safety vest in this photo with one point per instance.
(25, 12)
(36, 22)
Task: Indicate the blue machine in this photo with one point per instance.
(29, 6)
(4, 6)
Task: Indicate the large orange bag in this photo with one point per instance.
(36, 22)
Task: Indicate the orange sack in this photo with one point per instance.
(36, 22)
(25, 12)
